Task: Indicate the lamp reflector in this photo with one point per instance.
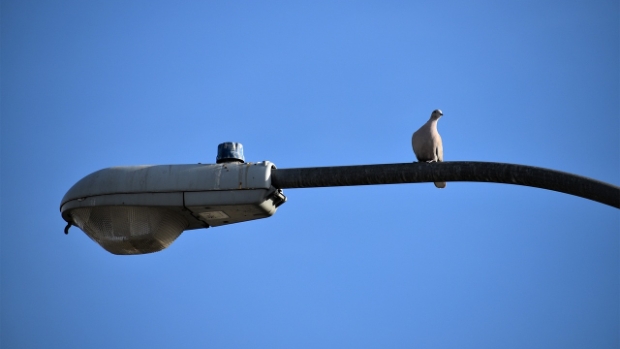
(130, 229)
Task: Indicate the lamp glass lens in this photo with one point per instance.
(130, 229)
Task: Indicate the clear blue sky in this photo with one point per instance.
(92, 84)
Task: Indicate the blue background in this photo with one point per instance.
(91, 84)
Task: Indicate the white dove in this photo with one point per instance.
(426, 143)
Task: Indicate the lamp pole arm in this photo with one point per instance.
(452, 171)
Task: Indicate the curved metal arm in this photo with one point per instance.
(455, 171)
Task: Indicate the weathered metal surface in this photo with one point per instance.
(172, 178)
(456, 171)
(241, 191)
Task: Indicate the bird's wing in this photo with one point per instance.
(439, 149)
(417, 144)
(424, 143)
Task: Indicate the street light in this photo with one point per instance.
(143, 209)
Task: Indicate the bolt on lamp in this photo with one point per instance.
(143, 209)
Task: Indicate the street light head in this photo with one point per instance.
(143, 209)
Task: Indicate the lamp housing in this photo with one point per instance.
(143, 209)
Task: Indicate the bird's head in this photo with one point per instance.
(437, 113)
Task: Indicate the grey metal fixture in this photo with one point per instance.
(143, 209)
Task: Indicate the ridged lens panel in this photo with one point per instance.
(130, 229)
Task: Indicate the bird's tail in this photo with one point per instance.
(440, 184)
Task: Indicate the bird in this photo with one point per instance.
(426, 142)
